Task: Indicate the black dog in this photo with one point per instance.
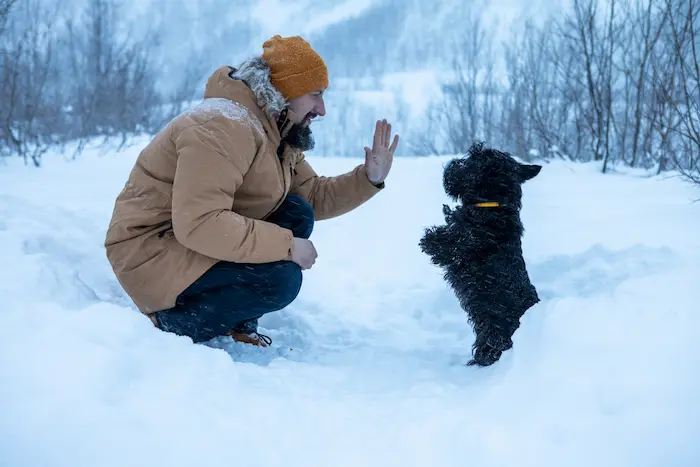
(480, 249)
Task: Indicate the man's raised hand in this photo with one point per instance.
(378, 160)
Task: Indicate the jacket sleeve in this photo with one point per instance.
(332, 196)
(212, 159)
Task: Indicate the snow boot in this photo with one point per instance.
(254, 338)
(247, 332)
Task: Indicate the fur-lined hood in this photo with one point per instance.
(255, 76)
(249, 86)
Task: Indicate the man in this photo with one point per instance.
(211, 230)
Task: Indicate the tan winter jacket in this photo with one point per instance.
(201, 190)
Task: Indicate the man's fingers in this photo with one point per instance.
(377, 135)
(394, 145)
(387, 135)
(382, 136)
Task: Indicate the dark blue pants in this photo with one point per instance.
(232, 296)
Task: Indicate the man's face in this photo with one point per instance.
(307, 107)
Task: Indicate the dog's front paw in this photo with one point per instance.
(436, 243)
(430, 242)
(426, 241)
(447, 212)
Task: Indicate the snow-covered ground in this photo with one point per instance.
(368, 364)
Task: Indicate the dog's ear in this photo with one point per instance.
(528, 171)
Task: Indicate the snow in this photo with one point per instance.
(367, 366)
(215, 106)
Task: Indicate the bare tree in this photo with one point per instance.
(616, 82)
(73, 79)
(467, 109)
(5, 7)
(594, 44)
(113, 85)
(685, 35)
(537, 104)
(645, 28)
(610, 42)
(28, 111)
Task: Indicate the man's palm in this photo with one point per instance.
(378, 160)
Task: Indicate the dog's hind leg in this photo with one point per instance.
(493, 337)
(484, 354)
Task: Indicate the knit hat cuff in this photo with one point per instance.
(302, 83)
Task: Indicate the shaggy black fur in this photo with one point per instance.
(480, 247)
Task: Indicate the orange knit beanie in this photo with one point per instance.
(295, 68)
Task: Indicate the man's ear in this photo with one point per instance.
(529, 171)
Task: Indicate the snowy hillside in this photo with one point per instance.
(605, 371)
(352, 35)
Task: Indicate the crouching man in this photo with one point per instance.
(212, 228)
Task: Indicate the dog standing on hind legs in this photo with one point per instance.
(479, 246)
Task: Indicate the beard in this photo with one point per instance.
(300, 136)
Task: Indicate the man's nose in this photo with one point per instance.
(320, 107)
